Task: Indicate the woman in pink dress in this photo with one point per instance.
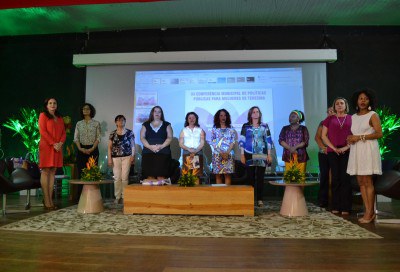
(52, 138)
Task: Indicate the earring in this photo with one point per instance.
(357, 108)
(369, 107)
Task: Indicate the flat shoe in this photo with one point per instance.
(345, 213)
(335, 212)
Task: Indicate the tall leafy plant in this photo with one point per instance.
(390, 123)
(26, 126)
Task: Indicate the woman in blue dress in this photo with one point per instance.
(222, 141)
(255, 150)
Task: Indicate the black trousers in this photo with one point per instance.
(323, 194)
(255, 175)
(341, 184)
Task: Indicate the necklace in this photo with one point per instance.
(341, 123)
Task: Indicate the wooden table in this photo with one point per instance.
(197, 200)
(293, 203)
(90, 200)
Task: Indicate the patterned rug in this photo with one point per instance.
(267, 223)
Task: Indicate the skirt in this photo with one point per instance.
(155, 165)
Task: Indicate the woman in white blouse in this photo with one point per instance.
(191, 140)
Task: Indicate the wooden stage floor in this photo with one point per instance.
(40, 251)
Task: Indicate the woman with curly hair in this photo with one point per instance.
(364, 157)
(222, 140)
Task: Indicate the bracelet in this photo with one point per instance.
(363, 138)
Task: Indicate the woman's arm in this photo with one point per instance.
(202, 141)
(143, 138)
(109, 152)
(132, 142)
(318, 139)
(325, 139)
(167, 141)
(44, 135)
(181, 141)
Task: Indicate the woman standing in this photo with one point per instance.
(121, 155)
(335, 130)
(255, 150)
(52, 138)
(294, 140)
(156, 136)
(86, 138)
(323, 164)
(364, 158)
(222, 141)
(191, 140)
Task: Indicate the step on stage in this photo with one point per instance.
(198, 200)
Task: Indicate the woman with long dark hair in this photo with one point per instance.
(156, 136)
(52, 138)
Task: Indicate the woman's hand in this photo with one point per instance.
(155, 148)
(132, 159)
(293, 150)
(110, 162)
(269, 158)
(242, 159)
(352, 139)
(58, 146)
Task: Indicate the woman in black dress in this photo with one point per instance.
(156, 135)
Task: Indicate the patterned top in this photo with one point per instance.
(87, 133)
(256, 141)
(293, 138)
(122, 145)
(221, 139)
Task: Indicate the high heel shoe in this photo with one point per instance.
(366, 221)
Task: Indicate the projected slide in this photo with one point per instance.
(206, 91)
(276, 91)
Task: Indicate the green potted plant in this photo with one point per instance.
(390, 122)
(26, 126)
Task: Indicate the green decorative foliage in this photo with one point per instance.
(27, 127)
(293, 173)
(390, 122)
(92, 171)
(188, 179)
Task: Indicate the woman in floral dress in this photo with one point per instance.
(222, 140)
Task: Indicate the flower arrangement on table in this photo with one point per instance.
(92, 171)
(189, 177)
(293, 174)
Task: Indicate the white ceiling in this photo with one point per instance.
(198, 13)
